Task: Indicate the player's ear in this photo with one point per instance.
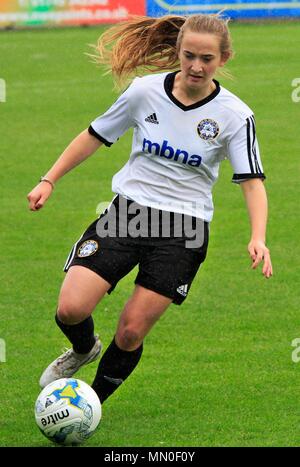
(224, 58)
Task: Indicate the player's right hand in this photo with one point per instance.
(39, 195)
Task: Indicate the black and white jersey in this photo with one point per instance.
(177, 149)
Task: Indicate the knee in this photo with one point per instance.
(68, 313)
(128, 338)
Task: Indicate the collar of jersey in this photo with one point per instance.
(169, 83)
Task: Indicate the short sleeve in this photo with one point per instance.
(243, 153)
(114, 122)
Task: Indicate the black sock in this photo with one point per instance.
(81, 335)
(114, 367)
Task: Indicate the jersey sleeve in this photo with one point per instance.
(109, 126)
(243, 153)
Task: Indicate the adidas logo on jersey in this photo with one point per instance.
(183, 289)
(152, 119)
(167, 151)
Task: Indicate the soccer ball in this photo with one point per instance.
(68, 411)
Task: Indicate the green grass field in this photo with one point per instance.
(216, 371)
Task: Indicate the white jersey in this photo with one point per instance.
(177, 149)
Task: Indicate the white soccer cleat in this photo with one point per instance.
(67, 364)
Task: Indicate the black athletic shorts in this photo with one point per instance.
(115, 243)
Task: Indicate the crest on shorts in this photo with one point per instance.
(88, 248)
(208, 129)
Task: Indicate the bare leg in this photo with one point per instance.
(81, 291)
(140, 313)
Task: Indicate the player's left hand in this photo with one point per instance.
(259, 252)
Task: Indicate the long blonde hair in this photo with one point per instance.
(152, 44)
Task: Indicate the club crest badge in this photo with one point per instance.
(208, 129)
(88, 248)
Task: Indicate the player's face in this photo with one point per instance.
(200, 57)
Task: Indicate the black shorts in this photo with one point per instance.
(167, 264)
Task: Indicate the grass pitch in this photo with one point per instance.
(216, 371)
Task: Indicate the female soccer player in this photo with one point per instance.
(184, 124)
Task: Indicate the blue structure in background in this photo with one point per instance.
(242, 9)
